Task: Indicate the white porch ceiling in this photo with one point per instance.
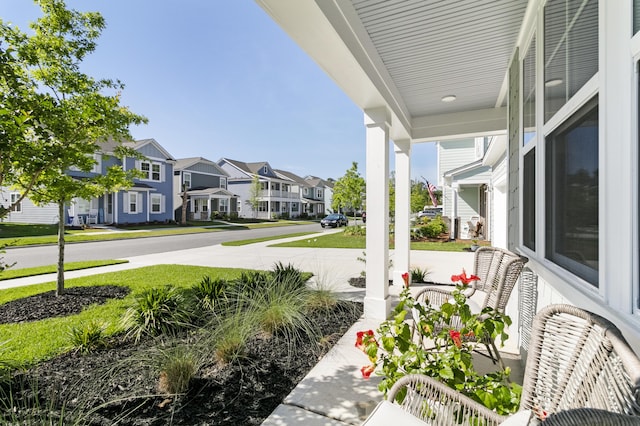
(408, 54)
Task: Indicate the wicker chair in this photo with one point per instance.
(498, 270)
(580, 370)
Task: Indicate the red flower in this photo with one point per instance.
(464, 278)
(363, 338)
(405, 277)
(367, 370)
(455, 336)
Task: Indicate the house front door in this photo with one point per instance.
(108, 210)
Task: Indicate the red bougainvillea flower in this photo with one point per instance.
(363, 338)
(455, 336)
(463, 278)
(405, 277)
(367, 370)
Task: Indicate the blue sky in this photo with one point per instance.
(219, 78)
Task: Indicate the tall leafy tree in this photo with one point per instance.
(349, 190)
(66, 114)
(255, 191)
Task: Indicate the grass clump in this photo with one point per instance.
(177, 367)
(156, 311)
(88, 336)
(419, 275)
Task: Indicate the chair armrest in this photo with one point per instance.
(437, 296)
(438, 404)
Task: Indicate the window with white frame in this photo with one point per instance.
(263, 206)
(151, 171)
(572, 193)
(636, 16)
(224, 205)
(570, 50)
(318, 193)
(570, 137)
(294, 207)
(15, 206)
(132, 202)
(223, 183)
(186, 180)
(157, 203)
(265, 170)
(239, 206)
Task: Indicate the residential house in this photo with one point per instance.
(311, 194)
(558, 79)
(466, 182)
(206, 189)
(277, 196)
(327, 191)
(150, 199)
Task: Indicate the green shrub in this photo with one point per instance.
(177, 367)
(288, 274)
(434, 228)
(89, 336)
(158, 311)
(209, 292)
(355, 231)
(419, 275)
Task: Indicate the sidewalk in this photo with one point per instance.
(334, 392)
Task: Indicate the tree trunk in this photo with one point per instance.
(60, 285)
(183, 219)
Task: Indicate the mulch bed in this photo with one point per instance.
(119, 383)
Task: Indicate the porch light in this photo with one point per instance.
(553, 82)
(448, 98)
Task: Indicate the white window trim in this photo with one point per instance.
(149, 176)
(160, 201)
(186, 180)
(12, 198)
(127, 203)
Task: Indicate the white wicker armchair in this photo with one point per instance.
(498, 270)
(579, 369)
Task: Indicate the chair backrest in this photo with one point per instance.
(579, 359)
(498, 270)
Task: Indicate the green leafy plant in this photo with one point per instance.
(88, 336)
(209, 292)
(287, 274)
(419, 275)
(162, 310)
(397, 351)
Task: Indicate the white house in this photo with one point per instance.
(559, 78)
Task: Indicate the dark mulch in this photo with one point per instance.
(119, 384)
(48, 305)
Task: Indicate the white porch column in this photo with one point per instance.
(402, 251)
(376, 302)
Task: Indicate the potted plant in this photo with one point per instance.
(474, 245)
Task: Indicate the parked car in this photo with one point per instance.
(334, 220)
(430, 213)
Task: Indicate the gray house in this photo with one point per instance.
(278, 196)
(205, 184)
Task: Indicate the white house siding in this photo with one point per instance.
(30, 213)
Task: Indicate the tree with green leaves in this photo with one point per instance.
(255, 190)
(349, 190)
(65, 114)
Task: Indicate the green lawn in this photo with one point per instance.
(340, 240)
(34, 341)
(12, 273)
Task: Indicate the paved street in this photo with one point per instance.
(26, 257)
